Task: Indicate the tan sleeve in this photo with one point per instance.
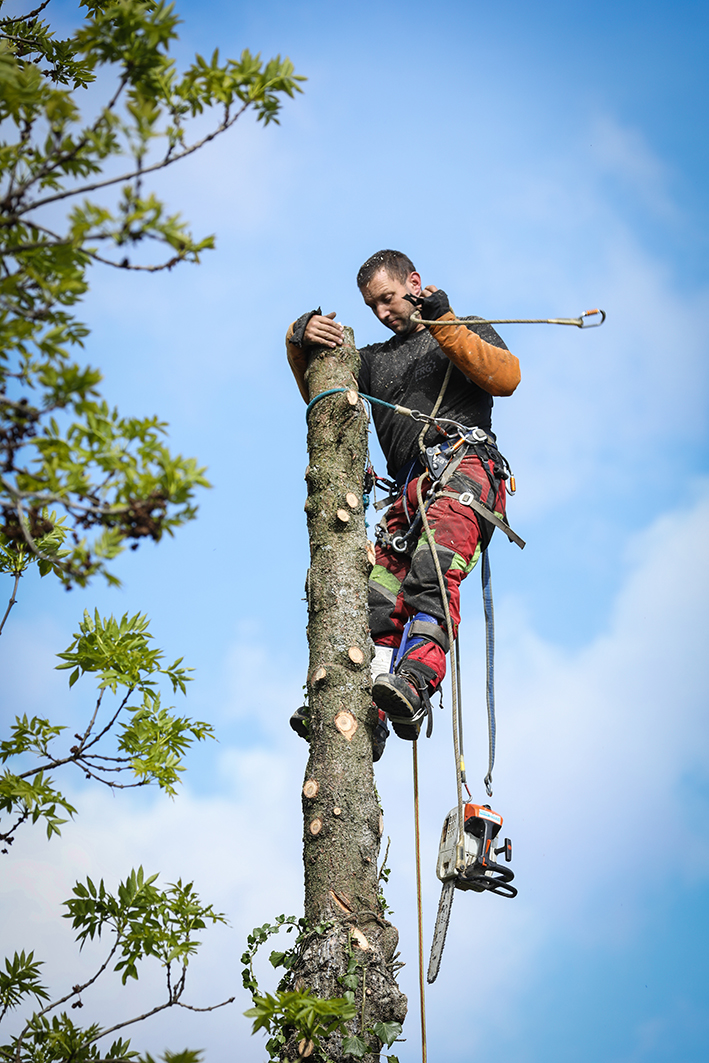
(493, 369)
(298, 361)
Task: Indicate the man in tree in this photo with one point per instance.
(452, 370)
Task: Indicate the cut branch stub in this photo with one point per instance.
(355, 654)
(310, 788)
(343, 516)
(351, 500)
(346, 724)
(359, 939)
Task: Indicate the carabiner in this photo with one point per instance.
(399, 544)
(591, 313)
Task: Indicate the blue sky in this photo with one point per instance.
(533, 161)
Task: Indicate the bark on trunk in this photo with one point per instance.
(343, 821)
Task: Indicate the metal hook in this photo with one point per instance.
(592, 313)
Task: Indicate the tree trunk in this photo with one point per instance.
(343, 820)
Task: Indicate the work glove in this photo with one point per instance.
(432, 307)
(300, 326)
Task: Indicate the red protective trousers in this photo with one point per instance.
(401, 585)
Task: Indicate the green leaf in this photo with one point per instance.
(354, 1046)
(387, 1032)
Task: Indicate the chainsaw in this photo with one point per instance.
(468, 865)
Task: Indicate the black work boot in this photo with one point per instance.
(300, 722)
(379, 737)
(399, 698)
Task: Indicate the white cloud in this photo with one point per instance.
(594, 747)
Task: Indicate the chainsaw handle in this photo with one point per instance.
(476, 878)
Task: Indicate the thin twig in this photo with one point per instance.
(7, 837)
(125, 264)
(26, 18)
(213, 1007)
(12, 601)
(92, 721)
(111, 722)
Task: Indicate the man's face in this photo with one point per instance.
(384, 295)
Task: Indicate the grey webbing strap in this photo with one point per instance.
(452, 467)
(467, 499)
(429, 631)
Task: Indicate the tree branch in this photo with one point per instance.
(77, 757)
(19, 496)
(75, 992)
(60, 159)
(109, 725)
(125, 264)
(12, 601)
(213, 1007)
(26, 18)
(92, 721)
(132, 174)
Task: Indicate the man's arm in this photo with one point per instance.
(311, 330)
(493, 369)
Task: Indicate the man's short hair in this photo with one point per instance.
(397, 265)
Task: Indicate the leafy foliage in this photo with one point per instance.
(301, 1012)
(111, 478)
(144, 922)
(297, 1013)
(78, 480)
(150, 739)
(20, 979)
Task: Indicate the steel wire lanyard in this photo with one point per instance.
(580, 321)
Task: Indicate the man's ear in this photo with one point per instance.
(413, 283)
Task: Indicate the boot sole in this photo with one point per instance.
(398, 711)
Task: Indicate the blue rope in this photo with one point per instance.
(489, 667)
(335, 391)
